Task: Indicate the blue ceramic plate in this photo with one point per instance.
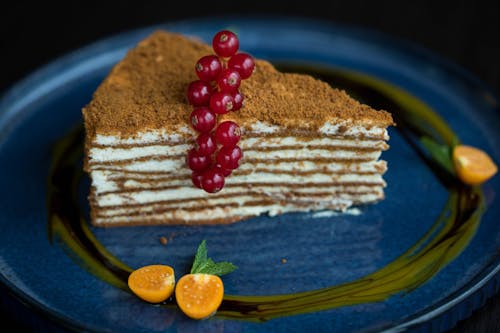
(421, 259)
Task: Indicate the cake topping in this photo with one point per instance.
(229, 157)
(243, 63)
(202, 119)
(229, 80)
(212, 180)
(225, 43)
(199, 93)
(225, 97)
(208, 68)
(228, 133)
(144, 94)
(205, 144)
(221, 102)
(237, 101)
(196, 161)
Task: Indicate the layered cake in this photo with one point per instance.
(307, 146)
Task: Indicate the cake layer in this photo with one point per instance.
(108, 154)
(164, 165)
(158, 169)
(257, 131)
(151, 182)
(234, 205)
(170, 190)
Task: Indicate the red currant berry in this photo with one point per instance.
(228, 134)
(202, 119)
(206, 144)
(197, 161)
(221, 102)
(225, 172)
(229, 157)
(237, 101)
(208, 68)
(199, 92)
(212, 180)
(225, 43)
(229, 80)
(243, 63)
(196, 178)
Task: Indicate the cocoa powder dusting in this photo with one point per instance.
(147, 91)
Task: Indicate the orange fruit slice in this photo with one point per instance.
(153, 283)
(199, 295)
(473, 166)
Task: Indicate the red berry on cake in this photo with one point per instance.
(208, 68)
(237, 101)
(228, 133)
(212, 180)
(199, 92)
(217, 92)
(229, 80)
(225, 172)
(229, 157)
(243, 63)
(196, 177)
(197, 161)
(205, 143)
(202, 119)
(225, 43)
(221, 102)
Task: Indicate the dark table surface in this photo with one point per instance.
(465, 32)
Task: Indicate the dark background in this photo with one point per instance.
(465, 32)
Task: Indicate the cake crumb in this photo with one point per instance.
(163, 240)
(283, 260)
(146, 91)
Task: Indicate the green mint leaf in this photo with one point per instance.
(219, 269)
(440, 153)
(222, 268)
(205, 265)
(200, 258)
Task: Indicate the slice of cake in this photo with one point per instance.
(307, 146)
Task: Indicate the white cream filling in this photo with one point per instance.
(241, 200)
(187, 191)
(302, 153)
(325, 141)
(306, 153)
(224, 213)
(374, 131)
(162, 135)
(143, 137)
(107, 154)
(262, 177)
(177, 168)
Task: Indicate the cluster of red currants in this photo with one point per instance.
(215, 93)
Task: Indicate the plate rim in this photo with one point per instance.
(484, 285)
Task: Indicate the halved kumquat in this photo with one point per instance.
(472, 165)
(199, 295)
(153, 283)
